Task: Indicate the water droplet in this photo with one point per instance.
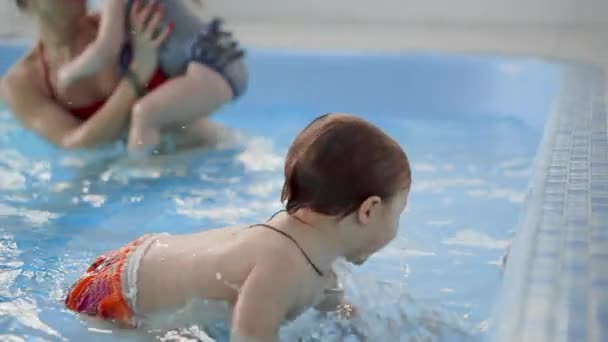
(160, 244)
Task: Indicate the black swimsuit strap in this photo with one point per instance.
(294, 241)
(275, 214)
(284, 211)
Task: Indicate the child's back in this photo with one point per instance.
(213, 265)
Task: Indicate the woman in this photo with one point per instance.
(94, 110)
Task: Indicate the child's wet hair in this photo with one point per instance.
(340, 160)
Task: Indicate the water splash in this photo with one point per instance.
(384, 312)
(26, 313)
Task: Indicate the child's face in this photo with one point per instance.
(382, 226)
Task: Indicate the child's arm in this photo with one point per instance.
(264, 301)
(334, 300)
(334, 295)
(105, 49)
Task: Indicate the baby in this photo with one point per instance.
(346, 185)
(194, 47)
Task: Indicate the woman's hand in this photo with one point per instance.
(147, 35)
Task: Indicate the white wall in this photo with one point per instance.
(565, 29)
(436, 12)
(572, 29)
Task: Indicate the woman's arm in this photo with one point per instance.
(36, 111)
(39, 113)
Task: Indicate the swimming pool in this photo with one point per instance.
(470, 125)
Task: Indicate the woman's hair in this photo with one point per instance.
(340, 160)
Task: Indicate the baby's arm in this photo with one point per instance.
(104, 50)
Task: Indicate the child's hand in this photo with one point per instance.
(334, 303)
(347, 311)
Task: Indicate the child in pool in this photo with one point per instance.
(196, 56)
(346, 185)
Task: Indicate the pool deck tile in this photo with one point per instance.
(556, 288)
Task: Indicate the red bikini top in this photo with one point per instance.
(85, 112)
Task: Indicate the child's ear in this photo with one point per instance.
(368, 209)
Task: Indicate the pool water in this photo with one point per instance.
(470, 126)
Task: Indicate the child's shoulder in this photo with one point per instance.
(279, 253)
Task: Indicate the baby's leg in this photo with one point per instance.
(180, 102)
(104, 50)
